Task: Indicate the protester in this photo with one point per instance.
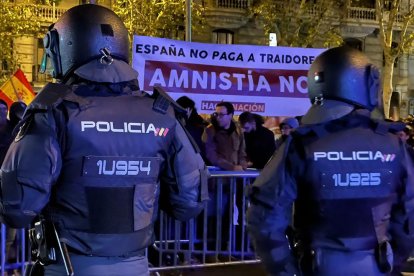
(260, 141)
(287, 126)
(5, 130)
(225, 149)
(195, 124)
(224, 140)
(15, 115)
(406, 135)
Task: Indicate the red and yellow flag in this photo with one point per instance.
(17, 88)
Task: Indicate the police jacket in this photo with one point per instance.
(352, 184)
(95, 157)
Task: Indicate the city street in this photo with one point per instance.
(239, 270)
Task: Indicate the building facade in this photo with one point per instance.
(231, 22)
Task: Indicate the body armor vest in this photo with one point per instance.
(347, 191)
(109, 183)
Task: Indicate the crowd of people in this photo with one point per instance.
(234, 144)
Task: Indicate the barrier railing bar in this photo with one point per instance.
(3, 249)
(192, 266)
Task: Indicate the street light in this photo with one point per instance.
(188, 20)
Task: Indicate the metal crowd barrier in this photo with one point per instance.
(216, 237)
(13, 240)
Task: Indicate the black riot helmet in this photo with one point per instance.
(84, 33)
(346, 75)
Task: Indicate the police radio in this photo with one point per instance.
(45, 245)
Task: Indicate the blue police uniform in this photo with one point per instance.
(94, 156)
(97, 158)
(348, 183)
(348, 198)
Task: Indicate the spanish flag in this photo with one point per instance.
(17, 88)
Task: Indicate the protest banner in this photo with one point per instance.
(270, 81)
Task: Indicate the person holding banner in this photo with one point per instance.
(348, 176)
(95, 157)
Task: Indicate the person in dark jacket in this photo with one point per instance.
(5, 130)
(260, 141)
(95, 157)
(16, 113)
(195, 124)
(348, 176)
(7, 125)
(287, 126)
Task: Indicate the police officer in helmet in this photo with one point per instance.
(94, 154)
(348, 178)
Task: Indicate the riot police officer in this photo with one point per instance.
(348, 176)
(94, 154)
